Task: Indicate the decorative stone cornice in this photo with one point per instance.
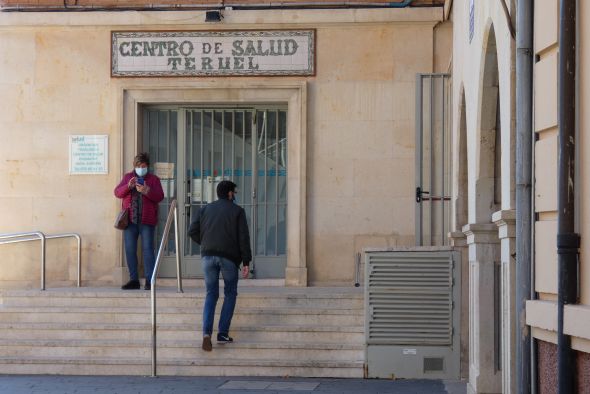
(506, 222)
(481, 233)
(458, 239)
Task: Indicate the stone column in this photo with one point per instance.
(459, 242)
(506, 222)
(483, 243)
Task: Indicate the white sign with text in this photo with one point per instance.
(89, 154)
(213, 53)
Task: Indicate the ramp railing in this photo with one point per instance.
(38, 235)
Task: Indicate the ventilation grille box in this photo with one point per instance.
(412, 313)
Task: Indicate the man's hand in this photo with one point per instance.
(245, 271)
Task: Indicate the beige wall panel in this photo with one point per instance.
(545, 92)
(21, 260)
(338, 216)
(403, 103)
(336, 139)
(443, 46)
(584, 148)
(354, 101)
(94, 103)
(383, 177)
(356, 53)
(404, 139)
(375, 217)
(18, 57)
(546, 257)
(409, 56)
(331, 258)
(17, 213)
(62, 56)
(330, 176)
(11, 103)
(546, 174)
(546, 24)
(48, 103)
(15, 150)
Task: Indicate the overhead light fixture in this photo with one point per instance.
(213, 16)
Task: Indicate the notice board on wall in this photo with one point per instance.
(89, 154)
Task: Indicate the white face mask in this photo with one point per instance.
(141, 171)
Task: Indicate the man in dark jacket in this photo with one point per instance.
(222, 231)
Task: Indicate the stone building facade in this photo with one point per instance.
(349, 173)
(484, 130)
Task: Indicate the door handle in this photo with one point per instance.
(419, 193)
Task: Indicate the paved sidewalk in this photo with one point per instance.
(36, 384)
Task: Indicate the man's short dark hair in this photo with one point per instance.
(224, 187)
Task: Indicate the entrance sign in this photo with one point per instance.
(89, 154)
(213, 53)
(164, 170)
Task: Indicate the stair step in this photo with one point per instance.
(182, 349)
(244, 316)
(308, 332)
(180, 367)
(191, 298)
(129, 331)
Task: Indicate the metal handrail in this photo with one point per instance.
(172, 215)
(38, 235)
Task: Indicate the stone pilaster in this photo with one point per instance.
(459, 242)
(506, 222)
(483, 244)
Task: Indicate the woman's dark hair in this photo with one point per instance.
(142, 157)
(224, 187)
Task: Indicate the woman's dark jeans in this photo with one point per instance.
(131, 233)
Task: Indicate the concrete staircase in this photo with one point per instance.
(278, 331)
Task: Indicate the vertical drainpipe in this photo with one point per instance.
(568, 242)
(524, 133)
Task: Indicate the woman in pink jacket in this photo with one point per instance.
(141, 192)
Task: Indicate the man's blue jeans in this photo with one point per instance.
(131, 233)
(212, 265)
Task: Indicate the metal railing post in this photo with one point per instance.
(178, 251)
(79, 240)
(42, 236)
(154, 340)
(172, 215)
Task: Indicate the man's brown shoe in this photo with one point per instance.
(207, 346)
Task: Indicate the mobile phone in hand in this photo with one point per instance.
(140, 181)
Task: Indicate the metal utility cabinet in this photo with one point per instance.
(412, 313)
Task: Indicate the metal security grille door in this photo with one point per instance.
(159, 138)
(433, 159)
(412, 308)
(249, 147)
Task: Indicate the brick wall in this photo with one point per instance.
(32, 4)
